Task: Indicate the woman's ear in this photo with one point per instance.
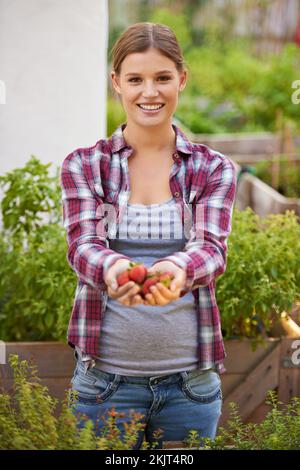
(115, 81)
(183, 80)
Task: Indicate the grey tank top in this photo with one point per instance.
(144, 340)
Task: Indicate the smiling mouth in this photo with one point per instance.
(150, 107)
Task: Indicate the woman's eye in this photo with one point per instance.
(163, 77)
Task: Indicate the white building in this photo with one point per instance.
(53, 56)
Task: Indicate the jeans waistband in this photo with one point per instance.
(143, 380)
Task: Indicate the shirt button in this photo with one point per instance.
(175, 155)
(177, 194)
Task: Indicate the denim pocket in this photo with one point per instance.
(202, 388)
(93, 387)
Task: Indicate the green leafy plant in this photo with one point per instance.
(31, 198)
(29, 419)
(262, 277)
(36, 287)
(178, 22)
(280, 430)
(36, 283)
(115, 114)
(273, 89)
(236, 91)
(289, 175)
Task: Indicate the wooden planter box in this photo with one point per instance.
(241, 146)
(55, 363)
(245, 148)
(262, 198)
(250, 375)
(247, 380)
(250, 148)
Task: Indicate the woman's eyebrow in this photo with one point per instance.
(161, 71)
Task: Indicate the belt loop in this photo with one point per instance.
(115, 382)
(88, 365)
(184, 377)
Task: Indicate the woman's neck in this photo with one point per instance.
(150, 141)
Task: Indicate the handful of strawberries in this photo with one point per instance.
(137, 272)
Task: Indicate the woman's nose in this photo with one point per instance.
(150, 90)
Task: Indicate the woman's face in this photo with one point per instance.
(149, 78)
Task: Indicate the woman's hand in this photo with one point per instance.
(160, 294)
(126, 294)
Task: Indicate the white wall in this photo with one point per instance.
(53, 63)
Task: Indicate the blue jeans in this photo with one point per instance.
(173, 403)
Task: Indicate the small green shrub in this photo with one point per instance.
(37, 284)
(262, 277)
(37, 287)
(280, 430)
(28, 420)
(32, 197)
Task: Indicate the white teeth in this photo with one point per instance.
(147, 106)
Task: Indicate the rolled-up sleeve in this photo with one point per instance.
(88, 253)
(204, 256)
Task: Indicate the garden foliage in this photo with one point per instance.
(29, 421)
(37, 285)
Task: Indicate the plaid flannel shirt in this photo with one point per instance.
(201, 179)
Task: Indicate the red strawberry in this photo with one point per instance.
(167, 274)
(123, 277)
(150, 281)
(138, 272)
(166, 278)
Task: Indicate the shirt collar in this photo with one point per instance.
(118, 143)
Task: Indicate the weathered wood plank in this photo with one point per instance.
(254, 387)
(259, 414)
(55, 385)
(230, 381)
(53, 359)
(241, 358)
(265, 143)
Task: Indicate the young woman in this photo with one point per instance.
(160, 356)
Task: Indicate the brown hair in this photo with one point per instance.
(141, 36)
